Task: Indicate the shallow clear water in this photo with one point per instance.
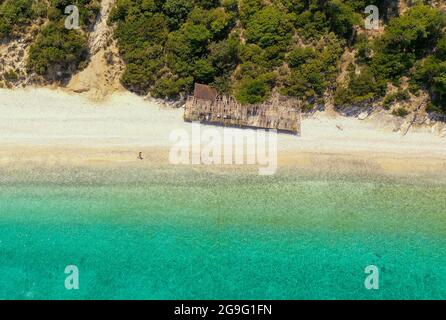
(157, 234)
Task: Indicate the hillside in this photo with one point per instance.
(317, 51)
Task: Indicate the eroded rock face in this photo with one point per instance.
(439, 128)
(101, 76)
(101, 33)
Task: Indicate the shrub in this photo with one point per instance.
(57, 52)
(15, 15)
(252, 91)
(430, 74)
(11, 76)
(309, 80)
(400, 112)
(269, 27)
(400, 95)
(299, 56)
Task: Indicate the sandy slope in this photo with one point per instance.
(41, 123)
(101, 77)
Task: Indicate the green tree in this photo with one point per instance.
(251, 91)
(269, 27)
(57, 52)
(15, 15)
(177, 11)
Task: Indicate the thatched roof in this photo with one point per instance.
(204, 92)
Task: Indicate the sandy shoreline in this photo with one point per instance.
(52, 127)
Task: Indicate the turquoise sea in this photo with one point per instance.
(191, 234)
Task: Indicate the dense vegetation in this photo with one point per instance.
(245, 47)
(430, 73)
(251, 48)
(237, 46)
(57, 51)
(412, 45)
(15, 15)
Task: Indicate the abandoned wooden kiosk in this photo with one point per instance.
(206, 106)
